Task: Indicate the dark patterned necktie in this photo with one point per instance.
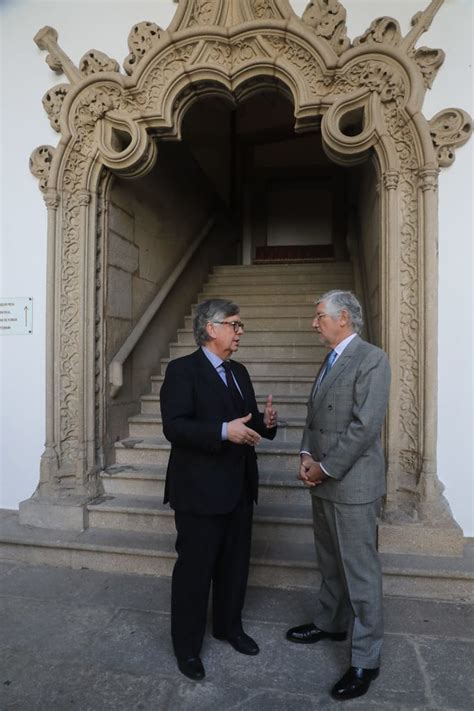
(233, 389)
(327, 367)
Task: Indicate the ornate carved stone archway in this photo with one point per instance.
(109, 122)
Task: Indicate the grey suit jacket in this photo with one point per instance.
(343, 425)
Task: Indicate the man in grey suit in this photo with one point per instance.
(342, 463)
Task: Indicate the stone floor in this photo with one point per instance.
(92, 641)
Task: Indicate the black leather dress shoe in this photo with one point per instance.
(242, 643)
(309, 634)
(355, 682)
(191, 667)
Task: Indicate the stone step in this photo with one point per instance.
(278, 288)
(146, 426)
(130, 480)
(277, 298)
(259, 337)
(277, 367)
(149, 515)
(273, 563)
(154, 451)
(297, 322)
(282, 488)
(332, 279)
(246, 352)
(139, 451)
(275, 487)
(293, 406)
(262, 309)
(285, 269)
(279, 386)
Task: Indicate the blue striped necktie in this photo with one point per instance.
(329, 363)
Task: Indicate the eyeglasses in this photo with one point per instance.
(319, 316)
(235, 324)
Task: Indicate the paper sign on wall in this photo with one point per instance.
(16, 315)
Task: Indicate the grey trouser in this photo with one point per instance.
(345, 538)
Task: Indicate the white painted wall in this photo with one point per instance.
(105, 25)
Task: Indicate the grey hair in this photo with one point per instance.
(211, 310)
(336, 301)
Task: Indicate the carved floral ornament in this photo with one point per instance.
(366, 95)
(326, 66)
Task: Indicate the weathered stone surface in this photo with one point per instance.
(120, 294)
(123, 254)
(429, 617)
(95, 641)
(143, 293)
(449, 670)
(69, 628)
(62, 515)
(121, 222)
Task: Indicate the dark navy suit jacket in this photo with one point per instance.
(206, 475)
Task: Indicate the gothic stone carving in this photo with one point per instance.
(143, 37)
(449, 129)
(94, 61)
(40, 164)
(53, 102)
(328, 19)
(264, 9)
(429, 61)
(383, 30)
(208, 56)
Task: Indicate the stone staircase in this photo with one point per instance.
(282, 355)
(129, 529)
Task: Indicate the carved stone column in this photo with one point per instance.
(49, 459)
(390, 325)
(432, 507)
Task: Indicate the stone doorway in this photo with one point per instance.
(365, 97)
(284, 202)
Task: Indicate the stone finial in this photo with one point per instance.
(421, 22)
(47, 39)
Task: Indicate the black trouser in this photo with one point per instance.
(209, 548)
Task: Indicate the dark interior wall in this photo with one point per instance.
(207, 132)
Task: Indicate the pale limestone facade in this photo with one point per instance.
(364, 97)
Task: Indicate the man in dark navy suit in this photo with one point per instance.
(211, 418)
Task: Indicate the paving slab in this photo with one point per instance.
(93, 641)
(448, 666)
(47, 583)
(50, 627)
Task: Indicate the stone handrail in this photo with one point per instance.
(116, 366)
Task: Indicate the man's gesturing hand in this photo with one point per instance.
(310, 472)
(239, 433)
(270, 414)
